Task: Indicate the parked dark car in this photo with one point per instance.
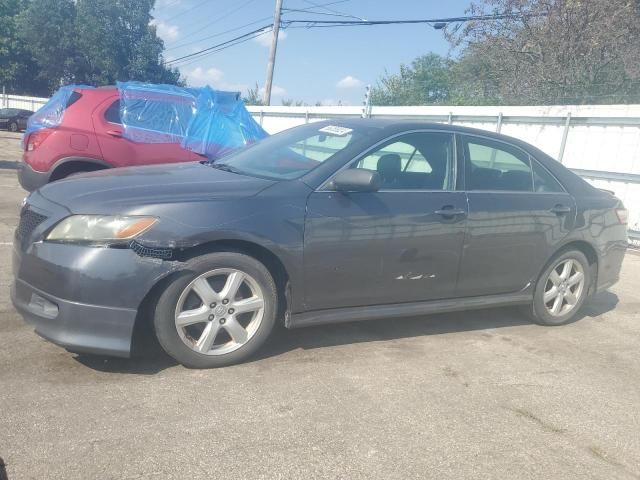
(328, 222)
(14, 119)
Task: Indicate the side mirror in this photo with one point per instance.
(356, 180)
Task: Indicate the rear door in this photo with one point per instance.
(399, 244)
(120, 152)
(517, 212)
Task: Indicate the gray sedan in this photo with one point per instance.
(334, 221)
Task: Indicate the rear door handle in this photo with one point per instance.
(114, 133)
(560, 209)
(450, 211)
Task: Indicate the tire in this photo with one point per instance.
(564, 296)
(13, 127)
(198, 329)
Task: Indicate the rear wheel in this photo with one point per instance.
(74, 168)
(13, 127)
(561, 289)
(219, 313)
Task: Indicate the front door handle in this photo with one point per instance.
(560, 209)
(115, 133)
(450, 211)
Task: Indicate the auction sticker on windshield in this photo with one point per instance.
(335, 130)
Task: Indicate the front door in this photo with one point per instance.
(119, 151)
(517, 212)
(399, 244)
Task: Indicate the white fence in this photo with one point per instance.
(26, 103)
(599, 142)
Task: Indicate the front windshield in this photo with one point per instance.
(293, 153)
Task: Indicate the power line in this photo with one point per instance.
(316, 13)
(209, 49)
(186, 11)
(310, 23)
(325, 6)
(175, 47)
(189, 61)
(209, 23)
(470, 18)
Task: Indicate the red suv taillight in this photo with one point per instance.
(623, 215)
(35, 139)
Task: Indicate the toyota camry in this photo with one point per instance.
(334, 221)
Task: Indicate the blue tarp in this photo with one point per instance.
(51, 113)
(206, 121)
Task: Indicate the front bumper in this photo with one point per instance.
(85, 299)
(78, 327)
(31, 179)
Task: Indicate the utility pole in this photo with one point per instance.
(366, 104)
(272, 53)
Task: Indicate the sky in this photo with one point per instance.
(327, 65)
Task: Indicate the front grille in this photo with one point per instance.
(29, 221)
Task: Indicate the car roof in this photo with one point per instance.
(392, 125)
(99, 93)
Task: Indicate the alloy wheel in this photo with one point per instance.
(564, 287)
(219, 311)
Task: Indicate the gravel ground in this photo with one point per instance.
(480, 394)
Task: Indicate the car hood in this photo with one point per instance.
(117, 189)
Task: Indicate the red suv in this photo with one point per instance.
(90, 137)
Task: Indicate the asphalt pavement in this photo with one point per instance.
(481, 394)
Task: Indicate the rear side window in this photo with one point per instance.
(543, 181)
(73, 98)
(112, 114)
(492, 165)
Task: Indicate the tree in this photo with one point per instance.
(116, 42)
(46, 43)
(543, 52)
(552, 52)
(427, 81)
(16, 64)
(253, 96)
(47, 29)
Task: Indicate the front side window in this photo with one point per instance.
(112, 114)
(493, 165)
(416, 161)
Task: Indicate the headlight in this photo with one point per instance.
(99, 228)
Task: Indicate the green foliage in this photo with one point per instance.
(427, 81)
(558, 52)
(253, 96)
(47, 43)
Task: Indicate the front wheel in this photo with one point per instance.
(561, 289)
(219, 312)
(13, 127)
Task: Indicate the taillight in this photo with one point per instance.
(623, 215)
(36, 138)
